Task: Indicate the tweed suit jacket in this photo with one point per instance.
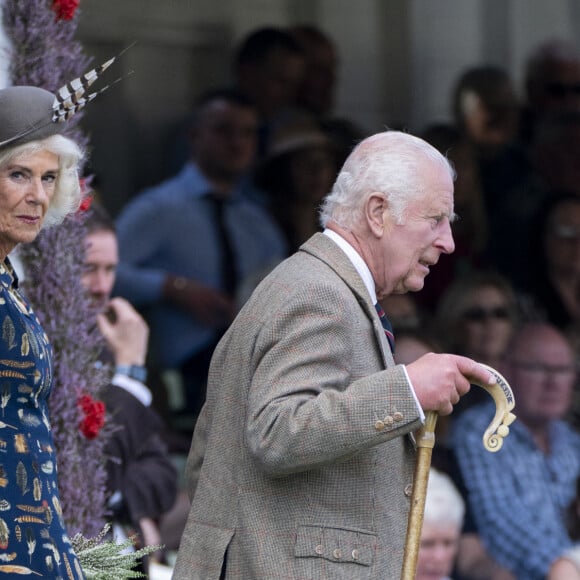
(307, 464)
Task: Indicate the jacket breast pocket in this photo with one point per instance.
(340, 552)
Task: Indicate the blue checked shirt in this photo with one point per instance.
(518, 495)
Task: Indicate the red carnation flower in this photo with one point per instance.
(65, 9)
(86, 203)
(94, 418)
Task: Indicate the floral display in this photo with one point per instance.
(65, 9)
(94, 416)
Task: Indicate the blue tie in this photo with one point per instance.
(387, 326)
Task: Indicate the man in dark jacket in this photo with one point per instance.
(142, 480)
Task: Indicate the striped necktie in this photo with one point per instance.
(387, 326)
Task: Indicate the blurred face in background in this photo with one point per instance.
(101, 260)
(490, 122)
(562, 240)
(437, 551)
(486, 324)
(559, 87)
(541, 371)
(272, 84)
(312, 172)
(224, 141)
(316, 92)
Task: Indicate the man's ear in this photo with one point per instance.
(375, 213)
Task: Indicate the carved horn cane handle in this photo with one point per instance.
(504, 403)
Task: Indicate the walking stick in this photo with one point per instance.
(425, 439)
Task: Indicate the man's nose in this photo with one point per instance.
(100, 286)
(445, 242)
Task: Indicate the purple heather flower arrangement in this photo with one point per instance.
(45, 53)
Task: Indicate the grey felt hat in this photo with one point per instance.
(31, 113)
(26, 115)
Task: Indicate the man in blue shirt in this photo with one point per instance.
(188, 244)
(519, 495)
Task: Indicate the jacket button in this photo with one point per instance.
(398, 416)
(379, 425)
(355, 554)
(337, 554)
(409, 490)
(319, 549)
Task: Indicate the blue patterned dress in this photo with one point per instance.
(33, 539)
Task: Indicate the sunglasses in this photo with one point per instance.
(480, 314)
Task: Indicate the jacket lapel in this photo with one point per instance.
(323, 248)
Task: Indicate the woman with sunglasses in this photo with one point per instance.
(476, 317)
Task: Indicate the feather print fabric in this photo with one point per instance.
(33, 539)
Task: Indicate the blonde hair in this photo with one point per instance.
(67, 191)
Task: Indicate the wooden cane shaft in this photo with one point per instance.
(425, 438)
(425, 441)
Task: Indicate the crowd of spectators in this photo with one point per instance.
(264, 152)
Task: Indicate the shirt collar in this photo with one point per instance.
(199, 186)
(356, 260)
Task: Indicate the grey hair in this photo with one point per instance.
(443, 503)
(388, 162)
(67, 192)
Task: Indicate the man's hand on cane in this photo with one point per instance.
(440, 380)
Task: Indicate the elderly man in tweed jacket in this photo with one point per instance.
(304, 446)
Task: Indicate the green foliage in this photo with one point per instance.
(102, 558)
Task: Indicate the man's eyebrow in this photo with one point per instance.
(451, 216)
